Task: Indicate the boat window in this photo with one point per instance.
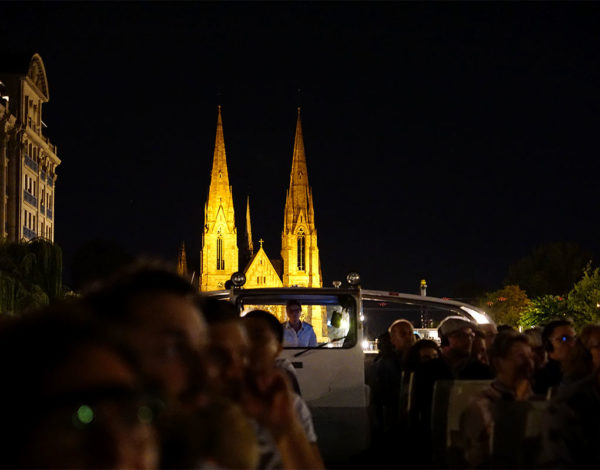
(332, 318)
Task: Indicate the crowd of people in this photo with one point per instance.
(550, 365)
(141, 371)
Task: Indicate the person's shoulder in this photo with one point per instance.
(306, 325)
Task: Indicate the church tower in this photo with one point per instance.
(299, 249)
(219, 255)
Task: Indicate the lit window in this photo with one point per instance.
(301, 250)
(220, 260)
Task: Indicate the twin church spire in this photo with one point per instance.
(299, 265)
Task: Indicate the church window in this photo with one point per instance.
(301, 250)
(220, 259)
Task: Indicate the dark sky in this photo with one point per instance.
(443, 141)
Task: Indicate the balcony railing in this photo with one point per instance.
(29, 234)
(49, 213)
(31, 163)
(30, 198)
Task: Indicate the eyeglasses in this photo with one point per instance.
(564, 339)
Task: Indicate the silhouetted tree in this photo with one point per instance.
(550, 269)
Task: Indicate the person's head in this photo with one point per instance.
(265, 334)
(229, 346)
(590, 338)
(537, 346)
(402, 335)
(293, 310)
(505, 328)
(70, 396)
(490, 331)
(157, 314)
(584, 357)
(558, 337)
(456, 335)
(479, 348)
(421, 352)
(511, 358)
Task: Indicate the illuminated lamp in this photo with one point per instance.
(353, 278)
(238, 279)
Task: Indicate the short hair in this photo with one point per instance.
(292, 302)
(398, 322)
(535, 336)
(217, 311)
(270, 320)
(549, 330)
(111, 299)
(503, 342)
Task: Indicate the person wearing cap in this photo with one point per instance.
(456, 335)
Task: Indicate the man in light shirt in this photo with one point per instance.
(296, 333)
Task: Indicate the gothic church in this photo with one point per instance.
(220, 258)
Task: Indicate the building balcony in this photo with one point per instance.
(29, 234)
(49, 213)
(30, 198)
(31, 163)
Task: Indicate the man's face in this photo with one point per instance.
(293, 313)
(562, 339)
(593, 346)
(264, 346)
(229, 349)
(427, 354)
(518, 363)
(461, 341)
(479, 350)
(114, 436)
(402, 336)
(168, 337)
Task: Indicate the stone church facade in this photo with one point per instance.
(220, 257)
(299, 264)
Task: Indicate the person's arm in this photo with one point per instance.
(271, 403)
(312, 339)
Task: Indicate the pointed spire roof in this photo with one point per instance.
(249, 229)
(219, 193)
(299, 175)
(182, 268)
(298, 197)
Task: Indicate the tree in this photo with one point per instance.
(30, 274)
(551, 269)
(505, 305)
(584, 298)
(543, 309)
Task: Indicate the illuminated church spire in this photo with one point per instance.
(250, 244)
(299, 248)
(219, 255)
(182, 268)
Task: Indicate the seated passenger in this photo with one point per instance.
(570, 431)
(281, 438)
(70, 397)
(296, 333)
(558, 338)
(512, 360)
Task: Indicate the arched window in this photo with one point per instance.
(301, 250)
(220, 259)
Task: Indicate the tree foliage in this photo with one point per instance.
(30, 274)
(584, 298)
(551, 269)
(543, 309)
(506, 305)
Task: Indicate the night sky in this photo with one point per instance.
(443, 141)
